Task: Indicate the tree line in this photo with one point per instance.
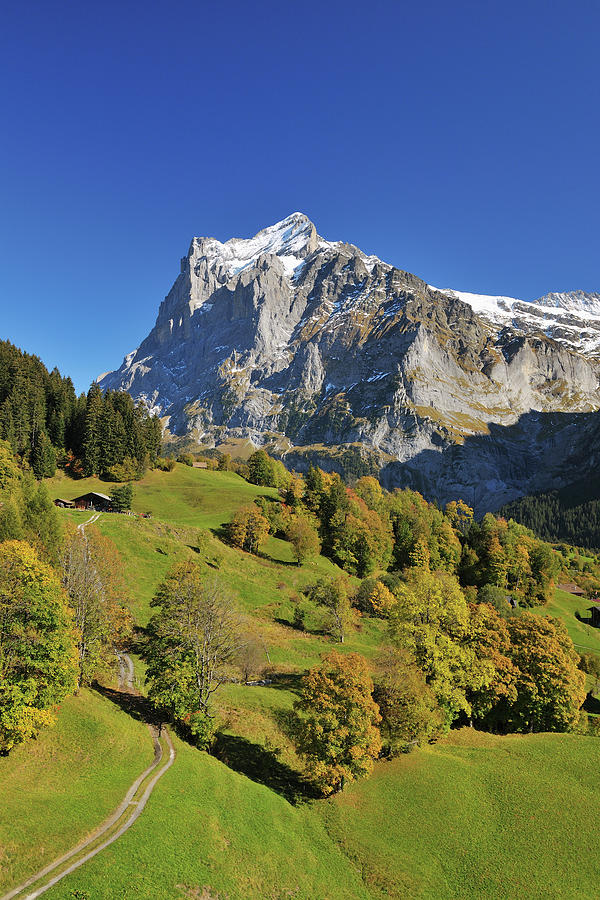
(443, 661)
(365, 528)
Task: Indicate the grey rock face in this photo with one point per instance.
(328, 355)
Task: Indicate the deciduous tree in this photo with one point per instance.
(92, 576)
(248, 529)
(194, 634)
(409, 710)
(337, 721)
(38, 658)
(303, 538)
(332, 594)
(550, 686)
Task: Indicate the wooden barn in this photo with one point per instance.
(93, 500)
(64, 504)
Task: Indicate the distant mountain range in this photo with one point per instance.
(329, 355)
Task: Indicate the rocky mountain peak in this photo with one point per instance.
(329, 355)
(292, 240)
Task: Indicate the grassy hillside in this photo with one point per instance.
(57, 789)
(515, 806)
(567, 608)
(477, 816)
(474, 816)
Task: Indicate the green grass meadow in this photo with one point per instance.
(474, 816)
(477, 816)
(57, 789)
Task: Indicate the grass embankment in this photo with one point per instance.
(56, 790)
(478, 816)
(211, 833)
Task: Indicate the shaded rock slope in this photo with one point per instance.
(328, 355)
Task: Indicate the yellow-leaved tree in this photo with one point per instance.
(38, 656)
(337, 718)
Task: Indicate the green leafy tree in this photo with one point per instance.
(489, 637)
(224, 464)
(38, 658)
(194, 635)
(43, 458)
(336, 728)
(431, 621)
(409, 710)
(260, 466)
(303, 538)
(374, 598)
(333, 595)
(41, 525)
(91, 435)
(550, 686)
(122, 497)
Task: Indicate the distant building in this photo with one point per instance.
(93, 500)
(200, 465)
(595, 608)
(64, 504)
(571, 589)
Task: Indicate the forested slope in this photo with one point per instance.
(570, 514)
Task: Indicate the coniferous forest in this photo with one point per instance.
(46, 423)
(570, 514)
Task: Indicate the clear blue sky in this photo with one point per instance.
(460, 141)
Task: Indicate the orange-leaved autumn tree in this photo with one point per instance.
(337, 720)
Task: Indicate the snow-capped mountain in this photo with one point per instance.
(330, 355)
(571, 318)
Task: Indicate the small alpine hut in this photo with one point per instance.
(93, 500)
(595, 610)
(571, 589)
(64, 504)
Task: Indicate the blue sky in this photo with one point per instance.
(457, 140)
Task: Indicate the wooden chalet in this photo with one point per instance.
(64, 504)
(595, 610)
(93, 500)
(571, 589)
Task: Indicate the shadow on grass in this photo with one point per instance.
(592, 704)
(135, 705)
(263, 767)
(286, 682)
(301, 629)
(221, 532)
